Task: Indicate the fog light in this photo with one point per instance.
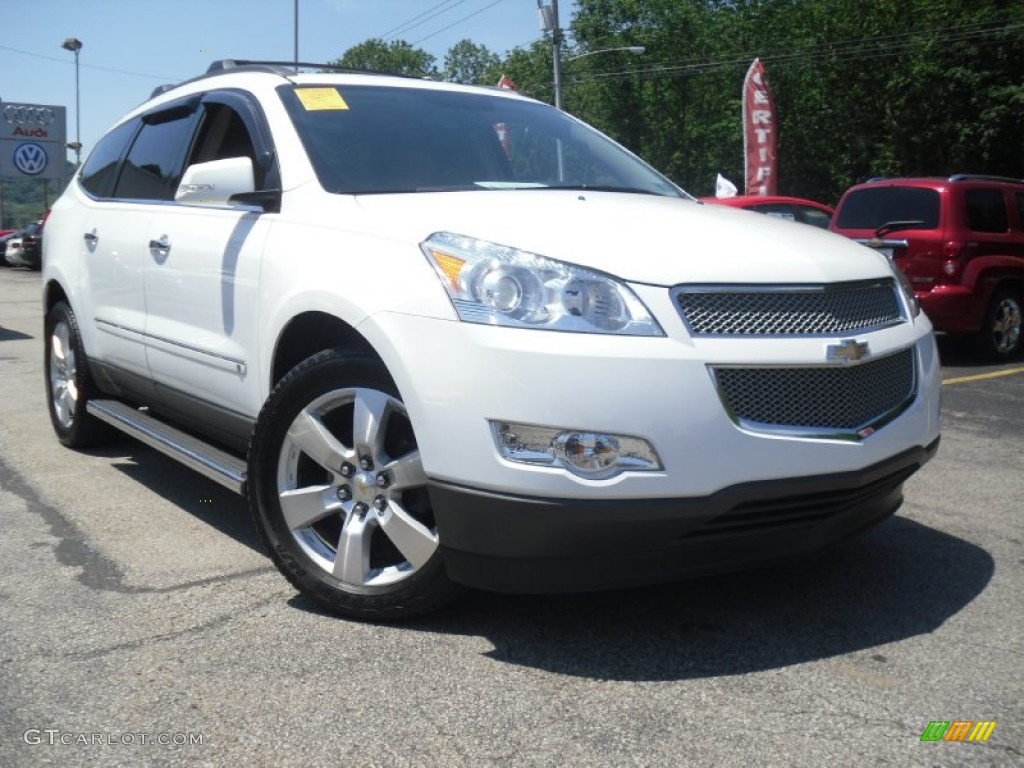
(595, 455)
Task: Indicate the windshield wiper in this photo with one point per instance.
(892, 226)
(606, 188)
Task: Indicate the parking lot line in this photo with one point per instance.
(981, 376)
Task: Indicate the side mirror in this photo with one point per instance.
(214, 183)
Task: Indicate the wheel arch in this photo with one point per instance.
(311, 332)
(53, 292)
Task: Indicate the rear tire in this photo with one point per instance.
(68, 383)
(1000, 337)
(338, 492)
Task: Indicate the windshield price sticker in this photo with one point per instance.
(315, 99)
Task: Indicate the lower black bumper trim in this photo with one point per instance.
(512, 543)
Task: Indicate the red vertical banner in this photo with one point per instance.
(759, 134)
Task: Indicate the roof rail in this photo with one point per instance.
(162, 89)
(290, 67)
(983, 177)
(281, 68)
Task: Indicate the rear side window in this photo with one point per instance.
(100, 171)
(778, 210)
(154, 163)
(986, 210)
(813, 216)
(871, 208)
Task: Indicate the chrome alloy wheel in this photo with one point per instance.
(63, 385)
(352, 488)
(1006, 324)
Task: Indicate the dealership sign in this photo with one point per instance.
(33, 141)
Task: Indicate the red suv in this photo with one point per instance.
(959, 240)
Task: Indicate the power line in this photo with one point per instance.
(456, 23)
(162, 79)
(883, 46)
(419, 19)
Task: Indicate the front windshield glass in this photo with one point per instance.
(366, 139)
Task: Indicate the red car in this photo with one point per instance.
(780, 206)
(960, 242)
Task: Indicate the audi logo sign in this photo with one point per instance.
(33, 141)
(24, 114)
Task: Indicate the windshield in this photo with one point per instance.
(370, 140)
(903, 207)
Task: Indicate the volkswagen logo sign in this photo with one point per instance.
(23, 114)
(30, 158)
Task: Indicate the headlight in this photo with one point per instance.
(498, 285)
(906, 289)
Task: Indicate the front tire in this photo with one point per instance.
(68, 383)
(1000, 337)
(338, 492)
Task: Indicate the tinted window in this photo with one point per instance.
(986, 210)
(154, 164)
(1019, 196)
(873, 207)
(776, 210)
(100, 170)
(813, 216)
(367, 139)
(223, 134)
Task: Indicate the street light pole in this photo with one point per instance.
(74, 45)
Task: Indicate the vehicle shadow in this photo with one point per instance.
(896, 581)
(202, 498)
(959, 352)
(7, 334)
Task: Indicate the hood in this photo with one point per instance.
(640, 238)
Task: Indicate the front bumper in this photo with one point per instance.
(508, 543)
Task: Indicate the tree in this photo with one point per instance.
(530, 69)
(879, 87)
(472, 64)
(396, 57)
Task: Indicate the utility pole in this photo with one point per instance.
(556, 44)
(295, 28)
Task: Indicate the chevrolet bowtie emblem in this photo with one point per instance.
(850, 351)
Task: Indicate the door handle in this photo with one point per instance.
(91, 238)
(161, 246)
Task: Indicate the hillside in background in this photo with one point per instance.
(25, 200)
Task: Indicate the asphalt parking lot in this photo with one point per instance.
(141, 624)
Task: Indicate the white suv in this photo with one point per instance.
(444, 336)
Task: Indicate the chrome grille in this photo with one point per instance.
(840, 398)
(799, 310)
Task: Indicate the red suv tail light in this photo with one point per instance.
(952, 251)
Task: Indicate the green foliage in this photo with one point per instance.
(877, 87)
(396, 57)
(472, 64)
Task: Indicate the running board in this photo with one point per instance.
(211, 462)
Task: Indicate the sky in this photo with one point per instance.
(131, 46)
